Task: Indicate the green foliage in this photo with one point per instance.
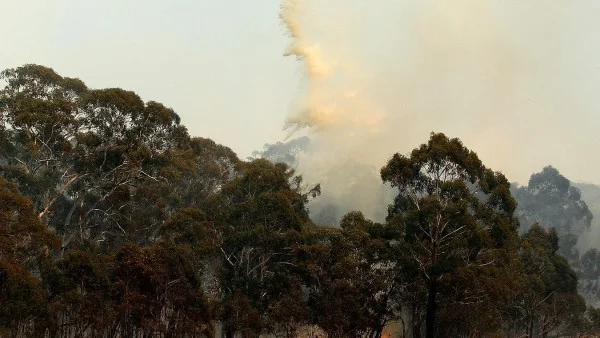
(257, 220)
(88, 159)
(351, 276)
(455, 216)
(548, 300)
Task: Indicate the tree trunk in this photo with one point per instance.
(417, 321)
(379, 332)
(431, 309)
(228, 332)
(530, 328)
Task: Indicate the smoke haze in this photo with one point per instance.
(503, 76)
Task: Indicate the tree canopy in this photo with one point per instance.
(106, 202)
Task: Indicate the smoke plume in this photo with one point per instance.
(379, 76)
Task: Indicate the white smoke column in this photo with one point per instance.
(343, 121)
(312, 114)
(330, 80)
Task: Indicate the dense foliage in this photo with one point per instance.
(115, 222)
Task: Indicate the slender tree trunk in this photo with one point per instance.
(530, 328)
(417, 321)
(379, 332)
(431, 308)
(228, 332)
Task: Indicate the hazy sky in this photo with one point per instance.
(219, 64)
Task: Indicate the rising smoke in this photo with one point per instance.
(379, 76)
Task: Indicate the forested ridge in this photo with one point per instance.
(114, 221)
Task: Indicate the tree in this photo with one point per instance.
(257, 218)
(158, 290)
(90, 160)
(23, 306)
(198, 172)
(349, 276)
(25, 246)
(23, 238)
(121, 147)
(78, 285)
(589, 272)
(39, 117)
(549, 300)
(374, 250)
(550, 200)
(455, 214)
(283, 152)
(592, 321)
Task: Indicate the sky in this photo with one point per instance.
(517, 81)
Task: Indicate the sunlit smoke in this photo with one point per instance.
(315, 64)
(311, 114)
(332, 100)
(379, 76)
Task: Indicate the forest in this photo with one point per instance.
(115, 222)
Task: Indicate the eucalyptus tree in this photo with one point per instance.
(90, 160)
(456, 217)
